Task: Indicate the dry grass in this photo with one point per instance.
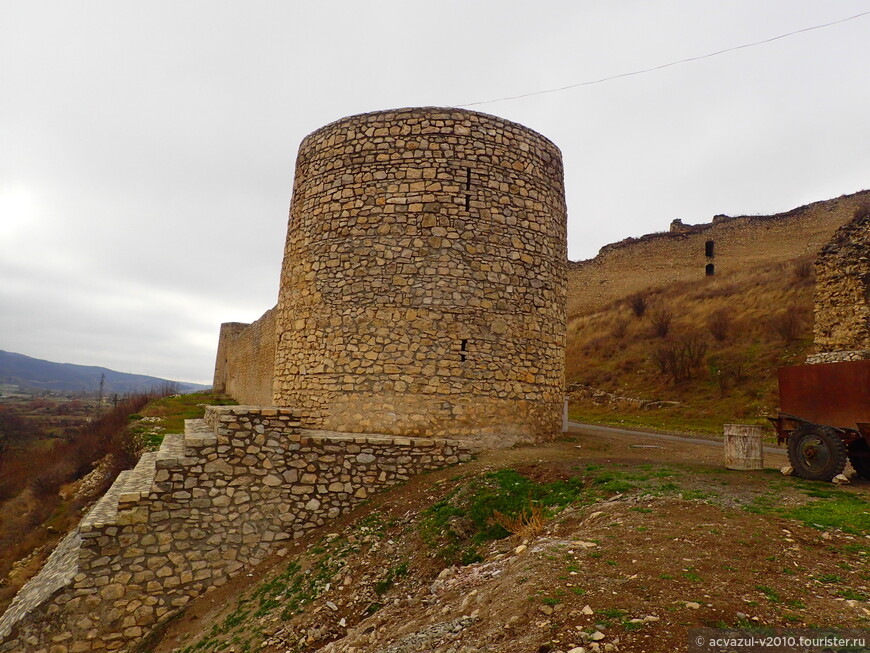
(735, 316)
(33, 516)
(719, 324)
(789, 324)
(529, 523)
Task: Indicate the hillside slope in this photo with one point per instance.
(704, 352)
(37, 374)
(638, 542)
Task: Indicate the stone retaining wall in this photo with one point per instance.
(207, 506)
(838, 357)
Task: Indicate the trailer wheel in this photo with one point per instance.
(816, 452)
(859, 456)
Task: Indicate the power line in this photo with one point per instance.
(666, 65)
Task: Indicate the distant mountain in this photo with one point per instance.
(35, 374)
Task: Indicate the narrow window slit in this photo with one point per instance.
(463, 348)
(467, 189)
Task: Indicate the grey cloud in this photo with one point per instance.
(158, 140)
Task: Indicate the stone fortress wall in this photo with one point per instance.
(208, 505)
(423, 284)
(422, 293)
(245, 362)
(690, 252)
(842, 293)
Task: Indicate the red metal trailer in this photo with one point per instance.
(825, 418)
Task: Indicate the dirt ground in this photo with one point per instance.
(679, 542)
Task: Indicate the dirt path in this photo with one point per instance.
(578, 427)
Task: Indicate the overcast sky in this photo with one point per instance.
(147, 148)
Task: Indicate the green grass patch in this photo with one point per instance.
(174, 409)
(665, 421)
(384, 585)
(845, 511)
(284, 595)
(771, 594)
(550, 600)
(853, 595)
(463, 520)
(829, 579)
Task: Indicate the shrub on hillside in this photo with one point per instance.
(727, 371)
(661, 322)
(803, 271)
(638, 304)
(719, 324)
(789, 325)
(46, 483)
(70, 459)
(680, 358)
(620, 327)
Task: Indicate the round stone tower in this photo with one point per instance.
(424, 280)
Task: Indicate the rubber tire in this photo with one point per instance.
(861, 464)
(829, 440)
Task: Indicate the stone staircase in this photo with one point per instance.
(131, 485)
(208, 504)
(178, 448)
(58, 572)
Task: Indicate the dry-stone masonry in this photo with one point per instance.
(422, 295)
(842, 293)
(245, 362)
(423, 285)
(206, 506)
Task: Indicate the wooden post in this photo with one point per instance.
(743, 446)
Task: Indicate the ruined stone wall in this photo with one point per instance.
(423, 285)
(657, 260)
(842, 293)
(204, 508)
(245, 362)
(224, 350)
